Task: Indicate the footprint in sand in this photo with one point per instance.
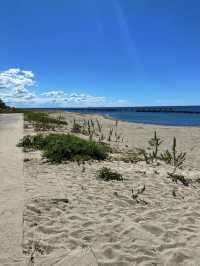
(153, 229)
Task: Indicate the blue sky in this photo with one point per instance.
(100, 52)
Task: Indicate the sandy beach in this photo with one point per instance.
(66, 208)
(159, 230)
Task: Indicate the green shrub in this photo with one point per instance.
(41, 118)
(107, 174)
(61, 147)
(36, 142)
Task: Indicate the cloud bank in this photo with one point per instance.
(17, 88)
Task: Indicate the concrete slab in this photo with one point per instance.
(11, 190)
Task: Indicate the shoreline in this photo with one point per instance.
(132, 122)
(129, 122)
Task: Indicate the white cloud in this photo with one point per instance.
(54, 94)
(28, 74)
(63, 98)
(12, 71)
(15, 87)
(14, 84)
(15, 78)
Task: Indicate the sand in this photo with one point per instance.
(68, 209)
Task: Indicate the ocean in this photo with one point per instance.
(165, 115)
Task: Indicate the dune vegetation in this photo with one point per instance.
(61, 147)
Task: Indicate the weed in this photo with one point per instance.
(36, 142)
(101, 137)
(174, 193)
(135, 196)
(166, 156)
(139, 191)
(110, 133)
(99, 126)
(132, 158)
(107, 174)
(175, 158)
(76, 128)
(60, 117)
(154, 144)
(178, 158)
(175, 178)
(145, 154)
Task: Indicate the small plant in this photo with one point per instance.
(178, 158)
(36, 142)
(91, 135)
(175, 158)
(145, 154)
(107, 174)
(99, 126)
(139, 191)
(135, 195)
(101, 138)
(110, 133)
(166, 156)
(92, 124)
(88, 129)
(60, 117)
(154, 144)
(76, 128)
(175, 178)
(174, 193)
(133, 157)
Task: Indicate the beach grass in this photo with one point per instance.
(42, 118)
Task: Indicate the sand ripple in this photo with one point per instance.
(104, 217)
